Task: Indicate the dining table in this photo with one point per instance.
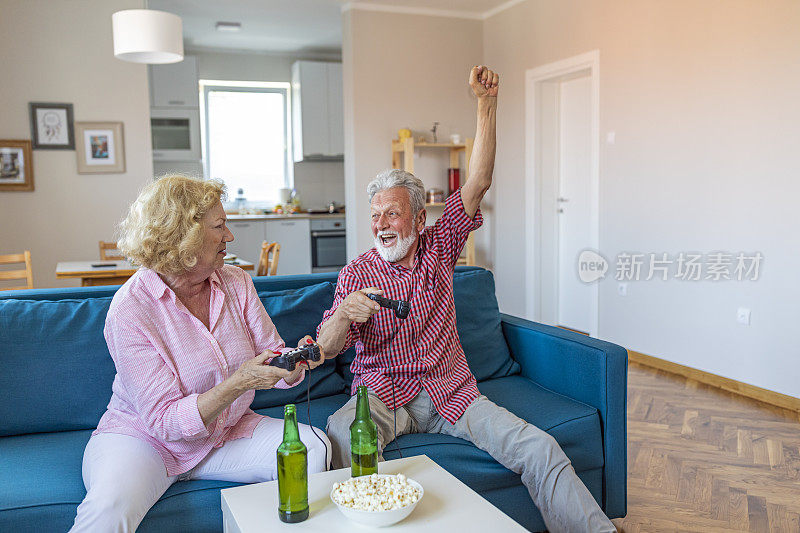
(92, 273)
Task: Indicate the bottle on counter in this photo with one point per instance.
(241, 201)
(295, 202)
(363, 438)
(292, 471)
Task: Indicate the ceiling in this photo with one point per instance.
(291, 26)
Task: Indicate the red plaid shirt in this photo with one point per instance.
(422, 351)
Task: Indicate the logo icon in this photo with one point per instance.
(591, 266)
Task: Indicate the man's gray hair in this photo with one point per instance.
(391, 178)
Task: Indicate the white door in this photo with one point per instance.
(573, 202)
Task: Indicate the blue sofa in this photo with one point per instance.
(56, 382)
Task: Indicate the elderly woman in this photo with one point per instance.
(191, 341)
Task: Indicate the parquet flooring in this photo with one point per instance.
(705, 460)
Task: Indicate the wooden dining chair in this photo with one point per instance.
(104, 256)
(26, 273)
(268, 266)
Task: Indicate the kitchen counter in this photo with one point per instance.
(290, 216)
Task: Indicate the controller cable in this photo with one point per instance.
(388, 368)
(308, 413)
(394, 413)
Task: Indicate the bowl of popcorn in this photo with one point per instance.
(377, 500)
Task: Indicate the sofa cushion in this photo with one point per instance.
(296, 313)
(576, 427)
(478, 326)
(321, 409)
(43, 343)
(41, 488)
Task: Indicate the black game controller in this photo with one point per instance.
(401, 307)
(287, 361)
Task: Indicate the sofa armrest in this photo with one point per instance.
(586, 369)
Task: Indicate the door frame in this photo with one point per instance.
(534, 255)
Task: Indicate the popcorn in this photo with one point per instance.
(375, 493)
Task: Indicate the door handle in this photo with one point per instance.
(560, 199)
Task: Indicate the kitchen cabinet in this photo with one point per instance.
(335, 109)
(175, 85)
(175, 134)
(317, 110)
(294, 236)
(247, 238)
(175, 113)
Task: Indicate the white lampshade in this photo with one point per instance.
(147, 36)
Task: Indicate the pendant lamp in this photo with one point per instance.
(147, 36)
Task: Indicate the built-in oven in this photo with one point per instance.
(328, 252)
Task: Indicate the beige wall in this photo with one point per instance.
(62, 52)
(402, 71)
(703, 97)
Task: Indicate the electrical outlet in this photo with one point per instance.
(611, 137)
(743, 316)
(622, 289)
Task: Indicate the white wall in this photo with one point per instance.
(62, 52)
(318, 183)
(249, 66)
(403, 71)
(703, 99)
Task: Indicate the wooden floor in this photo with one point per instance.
(701, 459)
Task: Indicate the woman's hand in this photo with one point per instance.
(255, 373)
(311, 363)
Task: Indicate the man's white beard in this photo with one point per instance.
(395, 253)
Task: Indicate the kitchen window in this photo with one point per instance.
(246, 142)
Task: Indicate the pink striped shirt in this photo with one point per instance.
(423, 351)
(165, 357)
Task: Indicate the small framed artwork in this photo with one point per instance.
(51, 126)
(100, 147)
(16, 166)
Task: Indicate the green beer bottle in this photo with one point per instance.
(363, 439)
(292, 471)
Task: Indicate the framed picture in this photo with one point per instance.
(51, 126)
(16, 166)
(100, 147)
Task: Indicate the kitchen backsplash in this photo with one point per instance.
(319, 183)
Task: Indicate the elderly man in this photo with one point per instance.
(415, 369)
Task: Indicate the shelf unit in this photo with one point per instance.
(403, 158)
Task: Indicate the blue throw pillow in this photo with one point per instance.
(56, 370)
(297, 313)
(478, 325)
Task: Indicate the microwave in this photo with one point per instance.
(175, 134)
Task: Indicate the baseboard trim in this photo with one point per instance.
(730, 385)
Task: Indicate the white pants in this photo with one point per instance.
(124, 476)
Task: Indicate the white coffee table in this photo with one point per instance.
(448, 504)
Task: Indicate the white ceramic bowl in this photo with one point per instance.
(380, 518)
